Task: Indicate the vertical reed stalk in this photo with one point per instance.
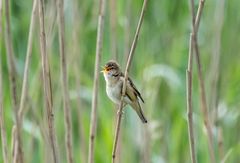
(27, 61)
(93, 123)
(130, 56)
(47, 83)
(207, 123)
(113, 43)
(63, 63)
(13, 144)
(2, 123)
(127, 30)
(113, 25)
(189, 89)
(189, 102)
(13, 82)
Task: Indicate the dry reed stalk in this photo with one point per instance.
(47, 83)
(113, 26)
(2, 124)
(189, 101)
(207, 124)
(27, 61)
(13, 83)
(119, 148)
(113, 42)
(130, 56)
(93, 123)
(63, 63)
(189, 88)
(13, 144)
(127, 30)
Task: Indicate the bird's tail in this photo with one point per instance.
(136, 106)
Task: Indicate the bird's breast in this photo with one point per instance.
(114, 92)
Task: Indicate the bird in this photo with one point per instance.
(114, 82)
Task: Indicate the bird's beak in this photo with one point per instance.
(104, 69)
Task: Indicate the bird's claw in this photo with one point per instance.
(118, 112)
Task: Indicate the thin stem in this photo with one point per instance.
(189, 87)
(189, 101)
(27, 62)
(63, 62)
(13, 144)
(127, 30)
(13, 82)
(204, 103)
(192, 11)
(130, 56)
(201, 81)
(113, 42)
(47, 83)
(113, 23)
(199, 14)
(2, 124)
(93, 123)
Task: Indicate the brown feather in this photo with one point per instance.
(136, 92)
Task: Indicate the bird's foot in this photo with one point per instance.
(120, 112)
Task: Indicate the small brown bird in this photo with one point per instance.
(114, 82)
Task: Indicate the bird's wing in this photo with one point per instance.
(131, 89)
(136, 92)
(131, 93)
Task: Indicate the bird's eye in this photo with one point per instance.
(109, 68)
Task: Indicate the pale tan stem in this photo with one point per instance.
(47, 82)
(189, 101)
(207, 123)
(2, 123)
(27, 61)
(130, 56)
(13, 144)
(65, 92)
(13, 82)
(93, 123)
(113, 26)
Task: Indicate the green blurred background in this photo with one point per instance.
(158, 70)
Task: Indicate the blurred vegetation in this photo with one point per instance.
(158, 69)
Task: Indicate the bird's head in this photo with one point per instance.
(111, 70)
